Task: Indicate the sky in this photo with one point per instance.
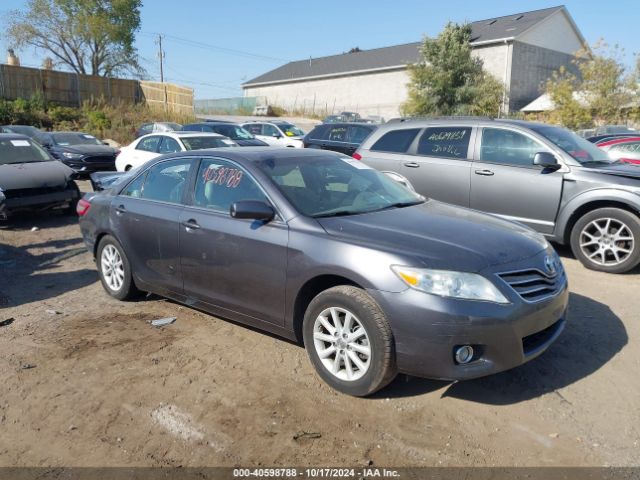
(214, 46)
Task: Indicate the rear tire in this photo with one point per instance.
(349, 341)
(114, 269)
(607, 240)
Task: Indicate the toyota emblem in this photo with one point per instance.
(550, 265)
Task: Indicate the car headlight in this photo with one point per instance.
(71, 156)
(445, 283)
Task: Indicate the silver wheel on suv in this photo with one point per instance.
(607, 241)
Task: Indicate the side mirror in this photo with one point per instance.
(252, 209)
(276, 135)
(546, 160)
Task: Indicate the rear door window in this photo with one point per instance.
(445, 142)
(318, 132)
(220, 183)
(254, 128)
(165, 181)
(149, 144)
(396, 141)
(169, 145)
(357, 133)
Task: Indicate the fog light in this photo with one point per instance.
(464, 354)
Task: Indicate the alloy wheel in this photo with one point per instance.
(342, 344)
(112, 267)
(607, 241)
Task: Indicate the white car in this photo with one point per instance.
(148, 147)
(276, 133)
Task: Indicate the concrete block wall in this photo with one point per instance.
(531, 67)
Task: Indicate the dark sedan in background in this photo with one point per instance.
(318, 247)
(343, 137)
(235, 132)
(82, 152)
(31, 180)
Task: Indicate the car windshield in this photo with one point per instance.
(328, 186)
(21, 150)
(64, 139)
(200, 143)
(290, 130)
(581, 150)
(234, 132)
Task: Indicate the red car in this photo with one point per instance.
(625, 149)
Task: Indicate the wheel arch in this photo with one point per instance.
(586, 203)
(308, 291)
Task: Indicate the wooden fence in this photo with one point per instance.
(71, 89)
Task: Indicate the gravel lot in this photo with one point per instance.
(87, 381)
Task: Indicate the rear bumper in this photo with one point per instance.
(428, 329)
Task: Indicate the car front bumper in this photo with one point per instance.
(80, 166)
(36, 202)
(427, 330)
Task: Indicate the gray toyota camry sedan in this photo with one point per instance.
(319, 248)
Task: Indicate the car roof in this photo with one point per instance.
(179, 134)
(347, 124)
(13, 136)
(422, 121)
(255, 154)
(209, 124)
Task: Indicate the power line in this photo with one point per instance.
(207, 46)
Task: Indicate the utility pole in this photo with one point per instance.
(161, 57)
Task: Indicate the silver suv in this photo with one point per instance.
(541, 175)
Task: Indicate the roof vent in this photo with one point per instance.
(492, 22)
(521, 16)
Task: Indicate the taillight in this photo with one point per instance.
(357, 156)
(83, 207)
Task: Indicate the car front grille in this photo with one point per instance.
(534, 285)
(31, 192)
(100, 159)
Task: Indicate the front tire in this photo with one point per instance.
(607, 240)
(349, 341)
(114, 269)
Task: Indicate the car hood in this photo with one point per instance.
(34, 175)
(86, 149)
(440, 236)
(628, 170)
(252, 142)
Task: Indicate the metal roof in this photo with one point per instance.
(487, 31)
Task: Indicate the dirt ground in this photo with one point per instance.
(87, 381)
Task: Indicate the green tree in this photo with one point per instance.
(603, 88)
(449, 80)
(93, 37)
(568, 110)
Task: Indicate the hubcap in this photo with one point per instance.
(112, 267)
(342, 343)
(607, 241)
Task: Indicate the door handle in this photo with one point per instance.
(485, 173)
(412, 164)
(120, 210)
(191, 225)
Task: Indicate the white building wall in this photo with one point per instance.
(495, 59)
(368, 94)
(555, 33)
